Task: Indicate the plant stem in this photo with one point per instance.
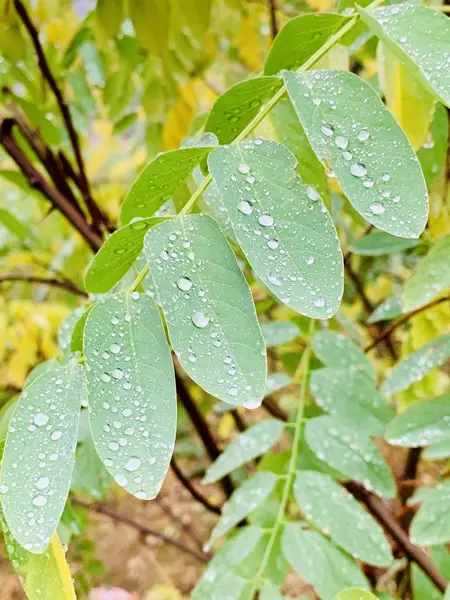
(66, 285)
(304, 370)
(139, 278)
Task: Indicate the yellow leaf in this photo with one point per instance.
(163, 592)
(151, 20)
(180, 116)
(18, 369)
(226, 426)
(248, 43)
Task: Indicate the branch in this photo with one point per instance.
(377, 508)
(273, 18)
(66, 285)
(96, 214)
(273, 409)
(191, 489)
(143, 530)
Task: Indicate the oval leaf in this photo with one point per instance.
(355, 594)
(387, 310)
(378, 243)
(331, 508)
(131, 391)
(431, 524)
(117, 255)
(338, 351)
(371, 156)
(281, 225)
(39, 455)
(350, 453)
(279, 332)
(208, 309)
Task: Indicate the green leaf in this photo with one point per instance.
(433, 154)
(421, 424)
(76, 341)
(351, 453)
(117, 255)
(353, 398)
(67, 327)
(208, 308)
(422, 586)
(438, 451)
(377, 243)
(234, 110)
(109, 16)
(431, 524)
(420, 38)
(387, 310)
(300, 39)
(158, 181)
(338, 351)
(352, 133)
(41, 438)
(319, 562)
(431, 278)
(271, 213)
(89, 475)
(40, 369)
(151, 20)
(332, 509)
(253, 442)
(269, 591)
(247, 498)
(279, 332)
(14, 225)
(355, 594)
(276, 382)
(416, 365)
(131, 391)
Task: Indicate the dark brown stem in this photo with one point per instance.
(377, 508)
(239, 421)
(191, 489)
(66, 285)
(143, 530)
(96, 214)
(273, 18)
(201, 426)
(273, 409)
(409, 474)
(187, 528)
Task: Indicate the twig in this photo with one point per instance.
(185, 482)
(96, 214)
(143, 530)
(377, 508)
(273, 409)
(66, 285)
(238, 420)
(409, 473)
(184, 526)
(273, 18)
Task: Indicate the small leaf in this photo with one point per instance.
(276, 382)
(14, 225)
(42, 437)
(151, 21)
(371, 156)
(438, 451)
(158, 181)
(234, 110)
(67, 327)
(319, 562)
(378, 243)
(422, 586)
(247, 498)
(89, 475)
(419, 37)
(421, 424)
(253, 442)
(431, 278)
(332, 509)
(300, 39)
(269, 591)
(353, 398)
(355, 594)
(431, 524)
(338, 351)
(131, 391)
(416, 365)
(433, 154)
(271, 212)
(208, 308)
(76, 342)
(351, 453)
(117, 255)
(40, 369)
(279, 332)
(387, 310)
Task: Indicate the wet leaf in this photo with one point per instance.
(338, 351)
(370, 155)
(378, 243)
(271, 211)
(437, 451)
(433, 153)
(332, 509)
(42, 437)
(387, 310)
(253, 442)
(279, 332)
(208, 308)
(355, 594)
(431, 524)
(131, 391)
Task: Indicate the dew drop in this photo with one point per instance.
(377, 208)
(385, 177)
(347, 156)
(192, 358)
(115, 348)
(40, 419)
(245, 207)
(200, 320)
(56, 435)
(341, 142)
(273, 244)
(133, 463)
(358, 170)
(273, 279)
(184, 284)
(310, 260)
(266, 220)
(232, 391)
(3, 488)
(319, 302)
(105, 377)
(243, 168)
(368, 183)
(327, 130)
(363, 135)
(39, 500)
(42, 483)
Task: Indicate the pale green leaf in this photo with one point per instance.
(300, 38)
(438, 451)
(431, 524)
(234, 110)
(279, 332)
(338, 351)
(433, 154)
(415, 366)
(67, 327)
(355, 594)
(208, 308)
(420, 38)
(276, 382)
(351, 453)
(269, 591)
(76, 341)
(151, 21)
(131, 391)
(89, 475)
(319, 562)
(421, 424)
(158, 181)
(352, 133)
(387, 310)
(351, 396)
(42, 437)
(40, 369)
(378, 243)
(247, 498)
(431, 278)
(422, 586)
(117, 255)
(109, 15)
(332, 509)
(281, 225)
(13, 224)
(253, 442)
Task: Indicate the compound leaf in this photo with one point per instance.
(431, 524)
(378, 243)
(338, 351)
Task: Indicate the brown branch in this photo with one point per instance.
(143, 530)
(273, 18)
(185, 482)
(377, 508)
(273, 409)
(96, 214)
(66, 285)
(409, 473)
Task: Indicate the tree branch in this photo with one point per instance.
(185, 482)
(273, 18)
(66, 285)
